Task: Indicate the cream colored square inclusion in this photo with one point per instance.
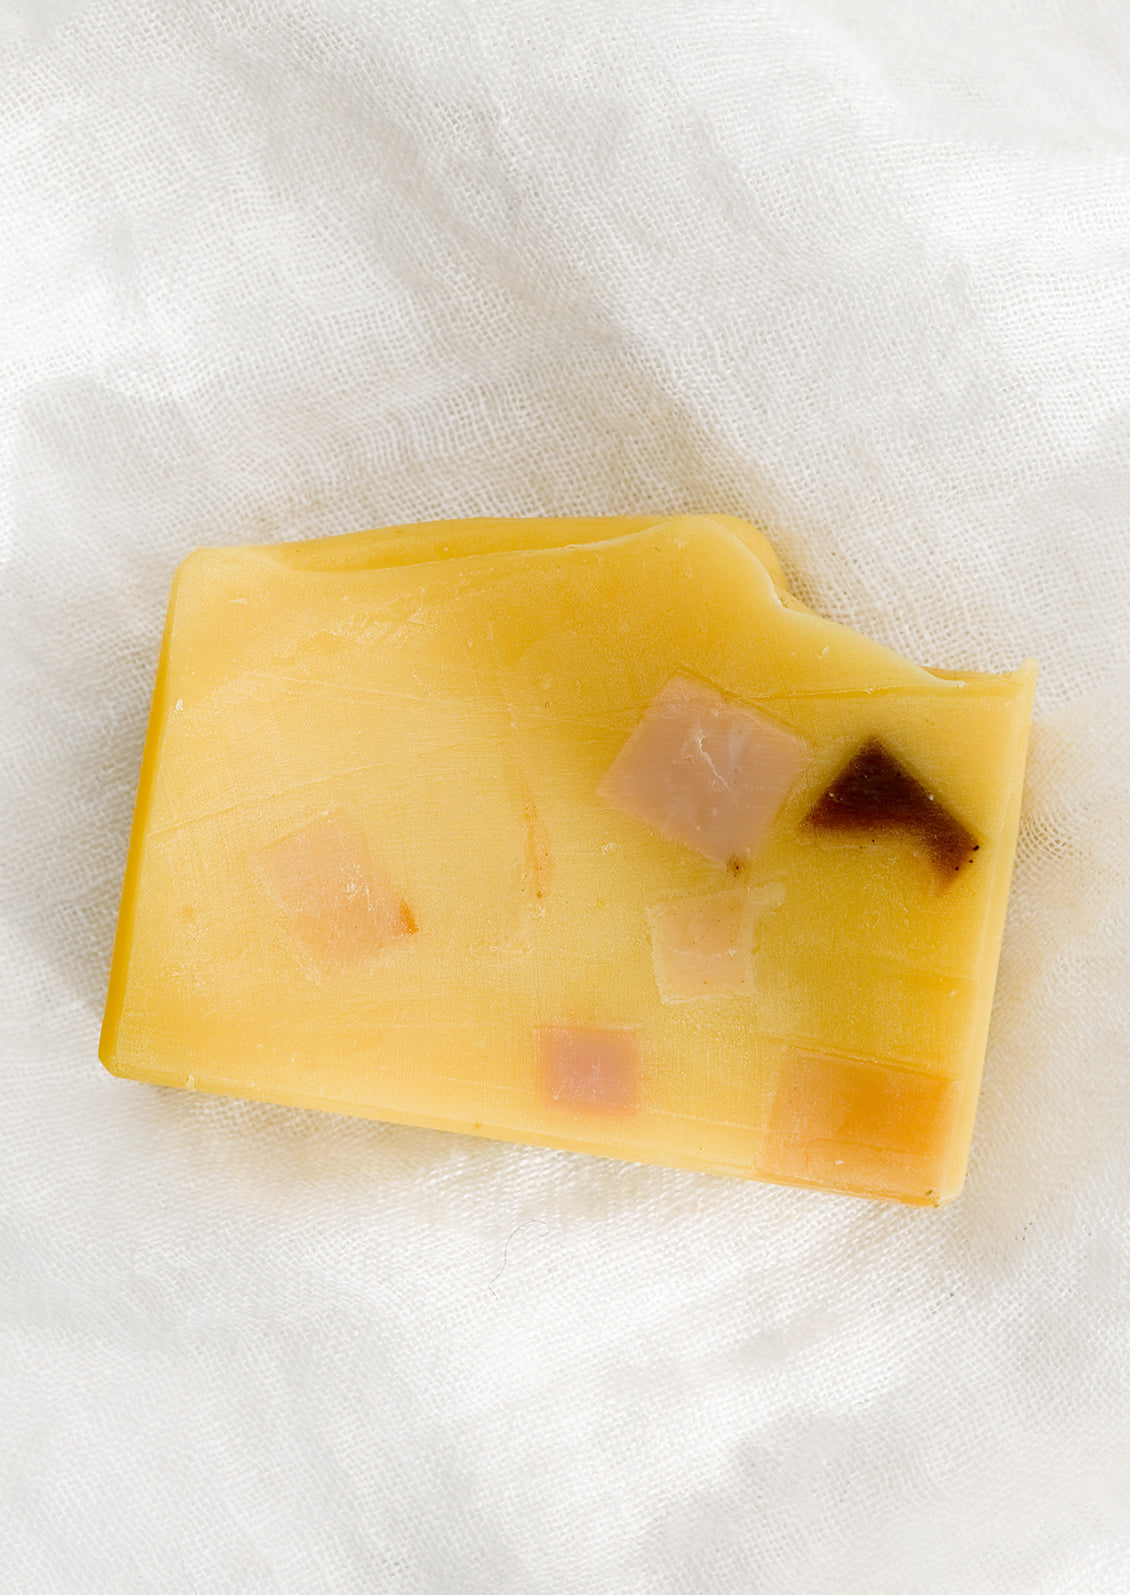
(703, 946)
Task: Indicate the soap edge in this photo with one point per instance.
(374, 540)
(123, 936)
(407, 533)
(403, 532)
(686, 527)
(755, 545)
(301, 1103)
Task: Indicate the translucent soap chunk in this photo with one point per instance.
(705, 771)
(702, 946)
(859, 1125)
(341, 908)
(588, 1068)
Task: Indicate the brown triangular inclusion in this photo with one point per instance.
(874, 793)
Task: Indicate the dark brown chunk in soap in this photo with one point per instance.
(874, 793)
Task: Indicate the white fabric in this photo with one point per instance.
(858, 270)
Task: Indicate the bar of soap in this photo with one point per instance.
(583, 834)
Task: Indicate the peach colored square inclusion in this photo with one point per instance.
(588, 1068)
(705, 771)
(342, 908)
(859, 1125)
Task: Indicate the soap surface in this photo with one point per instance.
(579, 833)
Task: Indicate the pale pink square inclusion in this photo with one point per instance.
(705, 771)
(587, 1068)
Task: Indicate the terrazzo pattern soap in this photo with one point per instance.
(583, 834)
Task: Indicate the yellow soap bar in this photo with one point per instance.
(580, 833)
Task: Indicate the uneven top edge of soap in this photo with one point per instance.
(425, 541)
(482, 543)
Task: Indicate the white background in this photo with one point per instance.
(857, 270)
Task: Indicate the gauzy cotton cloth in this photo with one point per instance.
(855, 270)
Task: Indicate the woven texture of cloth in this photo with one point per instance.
(855, 270)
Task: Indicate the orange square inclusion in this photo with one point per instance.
(856, 1125)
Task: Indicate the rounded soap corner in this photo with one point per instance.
(108, 1050)
(344, 553)
(191, 563)
(948, 1189)
(207, 562)
(197, 572)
